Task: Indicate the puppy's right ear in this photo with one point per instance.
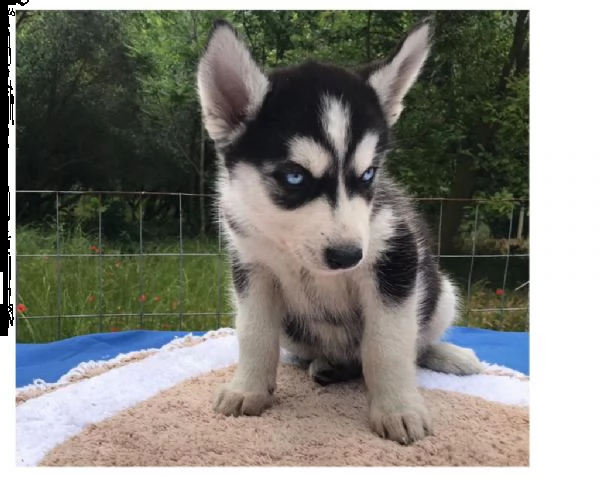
(231, 86)
(392, 78)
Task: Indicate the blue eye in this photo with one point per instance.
(294, 178)
(368, 175)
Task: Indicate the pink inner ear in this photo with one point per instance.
(233, 98)
(400, 83)
(406, 69)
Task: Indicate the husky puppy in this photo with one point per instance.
(329, 258)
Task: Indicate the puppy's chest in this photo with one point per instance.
(323, 313)
(310, 295)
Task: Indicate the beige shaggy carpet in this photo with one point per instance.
(155, 409)
(308, 426)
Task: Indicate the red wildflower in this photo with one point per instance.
(91, 298)
(21, 308)
(94, 248)
(157, 298)
(142, 298)
(499, 292)
(115, 329)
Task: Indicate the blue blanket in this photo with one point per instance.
(49, 361)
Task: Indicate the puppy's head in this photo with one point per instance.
(302, 145)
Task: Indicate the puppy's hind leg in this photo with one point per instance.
(325, 372)
(320, 369)
(448, 358)
(445, 357)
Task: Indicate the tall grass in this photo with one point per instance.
(190, 292)
(132, 287)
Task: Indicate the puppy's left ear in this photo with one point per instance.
(231, 86)
(393, 78)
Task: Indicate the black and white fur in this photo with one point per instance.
(336, 267)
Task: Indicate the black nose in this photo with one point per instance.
(343, 256)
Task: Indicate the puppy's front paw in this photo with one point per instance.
(404, 421)
(232, 400)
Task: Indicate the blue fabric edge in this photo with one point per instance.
(50, 361)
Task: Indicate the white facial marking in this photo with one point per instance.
(336, 121)
(365, 152)
(351, 218)
(311, 155)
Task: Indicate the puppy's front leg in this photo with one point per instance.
(258, 324)
(389, 351)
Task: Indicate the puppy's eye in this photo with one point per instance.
(294, 178)
(368, 175)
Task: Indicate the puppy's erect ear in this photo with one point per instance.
(231, 86)
(392, 78)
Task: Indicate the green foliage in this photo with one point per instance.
(107, 100)
(499, 207)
